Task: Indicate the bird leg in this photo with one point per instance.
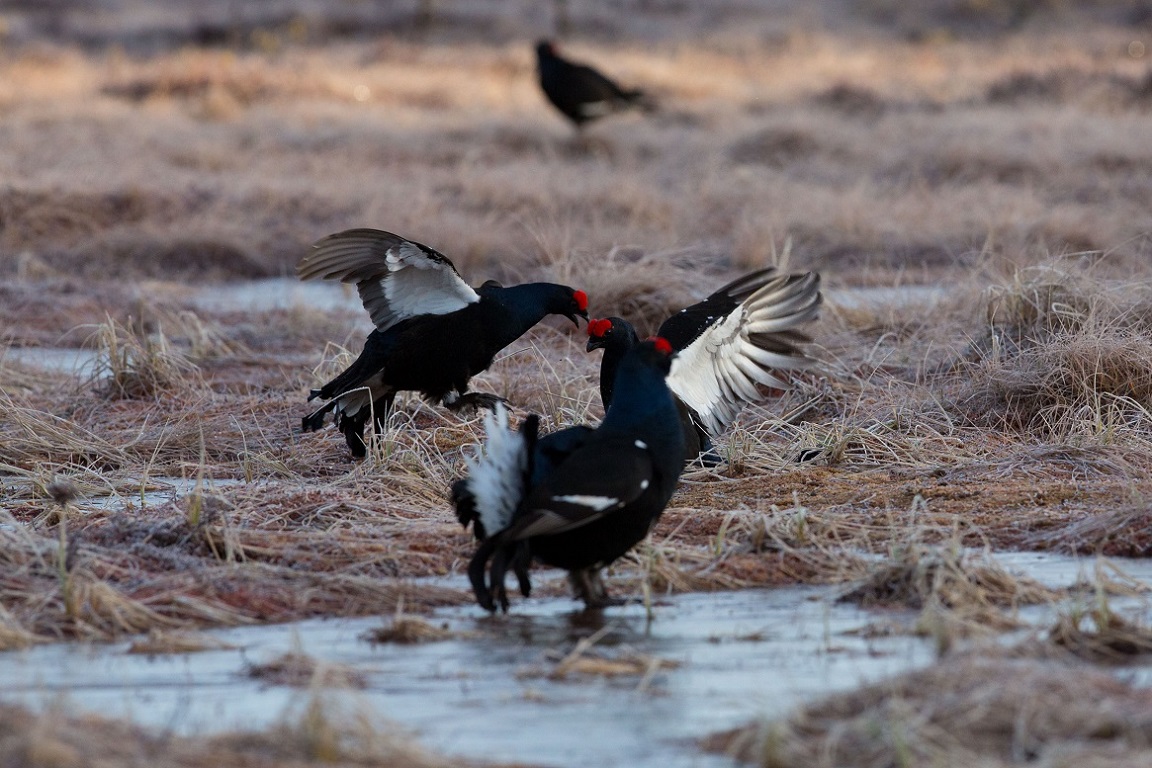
(353, 426)
(587, 585)
(521, 561)
(477, 570)
(496, 572)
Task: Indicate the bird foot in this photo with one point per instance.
(710, 458)
(587, 585)
(605, 602)
(474, 401)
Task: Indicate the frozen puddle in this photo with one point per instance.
(79, 362)
(740, 654)
(488, 695)
(287, 293)
(884, 296)
(275, 294)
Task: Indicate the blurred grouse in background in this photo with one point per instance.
(728, 345)
(433, 331)
(579, 498)
(580, 92)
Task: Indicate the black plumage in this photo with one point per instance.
(729, 346)
(579, 498)
(433, 331)
(581, 93)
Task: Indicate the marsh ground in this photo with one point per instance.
(152, 154)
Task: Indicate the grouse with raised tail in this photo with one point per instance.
(579, 498)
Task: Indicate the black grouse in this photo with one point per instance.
(433, 332)
(580, 92)
(728, 345)
(579, 498)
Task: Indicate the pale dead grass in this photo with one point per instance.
(969, 710)
(588, 658)
(956, 593)
(159, 642)
(300, 670)
(320, 735)
(408, 630)
(1068, 353)
(999, 154)
(888, 447)
(1098, 633)
(262, 149)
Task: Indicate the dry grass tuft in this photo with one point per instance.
(409, 630)
(1125, 531)
(969, 710)
(300, 670)
(160, 642)
(134, 364)
(958, 593)
(322, 735)
(1099, 634)
(589, 659)
(820, 546)
(1069, 352)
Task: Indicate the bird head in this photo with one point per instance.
(658, 352)
(611, 333)
(575, 305)
(601, 333)
(545, 48)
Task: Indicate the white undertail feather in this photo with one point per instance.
(722, 370)
(598, 503)
(496, 477)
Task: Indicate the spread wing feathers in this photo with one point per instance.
(719, 372)
(396, 278)
(595, 481)
(497, 479)
(685, 326)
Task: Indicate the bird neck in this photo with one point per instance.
(641, 400)
(623, 338)
(518, 308)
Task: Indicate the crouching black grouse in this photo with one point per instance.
(579, 498)
(728, 346)
(433, 332)
(580, 92)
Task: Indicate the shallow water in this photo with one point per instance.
(740, 655)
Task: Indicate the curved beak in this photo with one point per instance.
(594, 342)
(578, 313)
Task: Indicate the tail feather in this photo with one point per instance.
(497, 480)
(315, 420)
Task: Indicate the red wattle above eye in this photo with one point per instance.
(598, 328)
(581, 300)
